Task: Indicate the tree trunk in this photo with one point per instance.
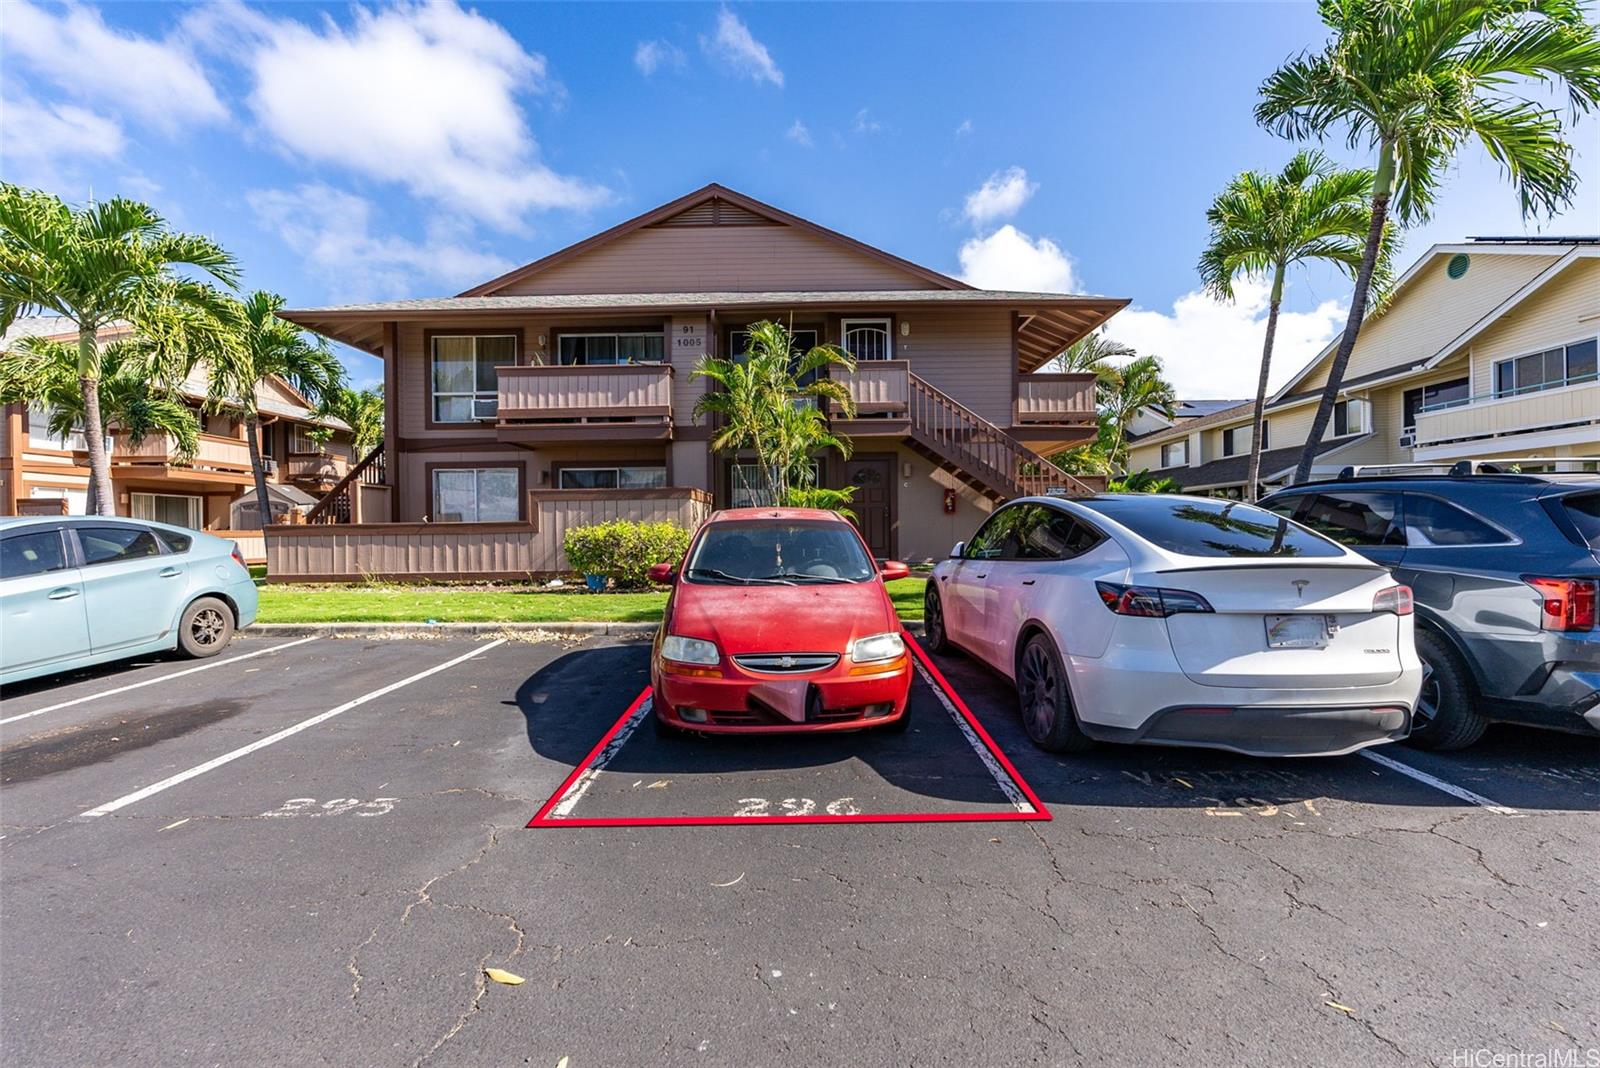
(1252, 486)
(263, 502)
(1381, 186)
(105, 501)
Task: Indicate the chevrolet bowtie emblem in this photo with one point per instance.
(787, 662)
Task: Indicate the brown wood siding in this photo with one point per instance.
(674, 259)
(965, 352)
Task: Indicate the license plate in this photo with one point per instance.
(1296, 632)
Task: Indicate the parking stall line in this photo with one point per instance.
(151, 682)
(273, 739)
(1439, 784)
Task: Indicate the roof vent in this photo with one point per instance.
(1458, 265)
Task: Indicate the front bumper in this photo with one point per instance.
(732, 704)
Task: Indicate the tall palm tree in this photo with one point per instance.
(262, 346)
(1414, 80)
(1263, 224)
(756, 402)
(1138, 385)
(43, 373)
(110, 262)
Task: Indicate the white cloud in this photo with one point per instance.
(799, 133)
(156, 81)
(651, 56)
(1010, 259)
(332, 230)
(1213, 349)
(426, 95)
(45, 132)
(733, 45)
(999, 197)
(965, 129)
(865, 123)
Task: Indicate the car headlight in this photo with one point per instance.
(878, 647)
(690, 650)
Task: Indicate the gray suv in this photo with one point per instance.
(1505, 569)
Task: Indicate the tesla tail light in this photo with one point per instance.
(1396, 599)
(1149, 600)
(689, 650)
(877, 648)
(239, 557)
(1565, 604)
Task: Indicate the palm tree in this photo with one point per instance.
(362, 411)
(764, 401)
(262, 346)
(1092, 354)
(1414, 80)
(110, 262)
(1138, 385)
(43, 373)
(1263, 224)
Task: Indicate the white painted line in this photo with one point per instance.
(1439, 784)
(581, 784)
(207, 666)
(1002, 780)
(272, 739)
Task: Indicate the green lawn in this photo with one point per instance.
(499, 604)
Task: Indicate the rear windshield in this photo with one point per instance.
(779, 553)
(1584, 510)
(1194, 527)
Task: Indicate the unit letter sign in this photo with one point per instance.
(688, 340)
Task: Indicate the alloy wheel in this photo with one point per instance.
(933, 618)
(1039, 691)
(207, 627)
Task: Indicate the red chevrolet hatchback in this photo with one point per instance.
(779, 621)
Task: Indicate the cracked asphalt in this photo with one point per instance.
(334, 896)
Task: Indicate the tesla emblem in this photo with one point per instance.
(1300, 587)
(786, 662)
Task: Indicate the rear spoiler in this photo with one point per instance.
(1257, 562)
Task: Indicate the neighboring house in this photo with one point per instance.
(1487, 350)
(564, 391)
(1149, 420)
(39, 471)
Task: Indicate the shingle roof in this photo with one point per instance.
(724, 299)
(1232, 469)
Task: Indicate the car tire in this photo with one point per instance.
(1447, 693)
(1045, 701)
(205, 628)
(934, 637)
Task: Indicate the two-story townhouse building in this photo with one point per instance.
(1486, 350)
(564, 392)
(45, 473)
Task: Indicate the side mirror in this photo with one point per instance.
(662, 574)
(894, 569)
(961, 547)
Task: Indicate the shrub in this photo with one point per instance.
(624, 550)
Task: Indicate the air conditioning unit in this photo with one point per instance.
(269, 465)
(1408, 440)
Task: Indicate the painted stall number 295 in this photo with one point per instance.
(308, 806)
(795, 806)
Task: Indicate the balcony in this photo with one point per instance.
(315, 467)
(1552, 418)
(226, 456)
(578, 403)
(1055, 400)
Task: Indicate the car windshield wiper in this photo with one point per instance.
(723, 576)
(800, 576)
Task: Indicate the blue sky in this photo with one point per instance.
(351, 153)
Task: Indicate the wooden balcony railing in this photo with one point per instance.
(213, 451)
(316, 466)
(555, 393)
(1064, 398)
(343, 503)
(879, 387)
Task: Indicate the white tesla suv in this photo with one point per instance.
(1175, 620)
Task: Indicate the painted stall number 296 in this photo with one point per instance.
(795, 806)
(308, 806)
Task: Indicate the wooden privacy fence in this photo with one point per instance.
(470, 552)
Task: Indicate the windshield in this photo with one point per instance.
(776, 552)
(1195, 527)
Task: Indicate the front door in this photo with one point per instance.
(874, 505)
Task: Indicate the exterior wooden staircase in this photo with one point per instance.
(338, 505)
(980, 454)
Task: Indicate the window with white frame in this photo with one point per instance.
(1351, 417)
(1565, 365)
(620, 477)
(606, 349)
(300, 439)
(39, 435)
(867, 339)
(476, 495)
(1175, 454)
(465, 384)
(1235, 440)
(178, 510)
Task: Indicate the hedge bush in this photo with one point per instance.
(625, 550)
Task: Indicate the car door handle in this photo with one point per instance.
(984, 575)
(169, 572)
(1028, 582)
(63, 593)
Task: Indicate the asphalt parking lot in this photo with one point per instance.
(307, 852)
